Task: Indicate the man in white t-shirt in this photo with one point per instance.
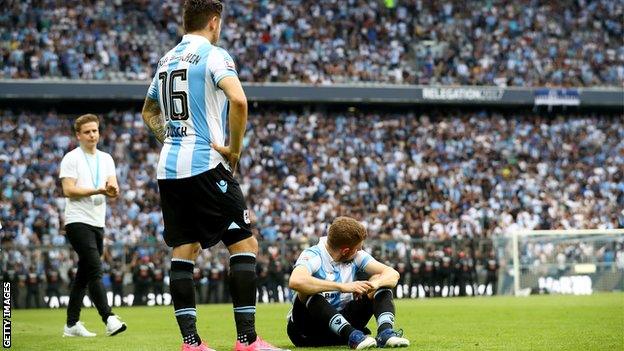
(332, 307)
(88, 178)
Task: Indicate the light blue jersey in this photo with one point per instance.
(195, 108)
(321, 265)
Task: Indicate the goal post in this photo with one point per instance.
(553, 248)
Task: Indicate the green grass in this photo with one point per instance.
(501, 323)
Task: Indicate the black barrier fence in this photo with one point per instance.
(138, 274)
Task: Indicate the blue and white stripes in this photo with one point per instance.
(188, 311)
(189, 78)
(245, 309)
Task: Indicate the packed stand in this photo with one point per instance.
(442, 176)
(468, 175)
(504, 43)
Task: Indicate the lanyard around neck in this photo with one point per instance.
(94, 179)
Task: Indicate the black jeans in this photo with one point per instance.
(87, 241)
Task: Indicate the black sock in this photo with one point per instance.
(243, 290)
(383, 308)
(328, 315)
(183, 296)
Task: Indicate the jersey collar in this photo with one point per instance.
(195, 37)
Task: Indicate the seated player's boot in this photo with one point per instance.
(392, 338)
(258, 345)
(359, 341)
(77, 329)
(201, 347)
(114, 326)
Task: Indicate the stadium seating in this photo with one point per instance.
(469, 175)
(503, 42)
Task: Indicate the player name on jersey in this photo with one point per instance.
(173, 131)
(191, 58)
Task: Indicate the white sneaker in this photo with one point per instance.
(77, 330)
(397, 341)
(114, 326)
(392, 338)
(367, 343)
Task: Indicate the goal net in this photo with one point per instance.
(567, 261)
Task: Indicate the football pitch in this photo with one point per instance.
(500, 323)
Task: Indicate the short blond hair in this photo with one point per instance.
(84, 119)
(345, 231)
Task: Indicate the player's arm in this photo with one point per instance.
(382, 276)
(302, 281)
(233, 90)
(152, 117)
(70, 189)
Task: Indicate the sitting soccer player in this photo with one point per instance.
(331, 307)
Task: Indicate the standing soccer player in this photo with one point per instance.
(187, 110)
(88, 177)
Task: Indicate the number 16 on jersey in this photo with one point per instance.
(174, 101)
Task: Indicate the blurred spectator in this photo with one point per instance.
(117, 284)
(142, 279)
(216, 276)
(491, 266)
(199, 280)
(33, 289)
(11, 275)
(53, 282)
(158, 281)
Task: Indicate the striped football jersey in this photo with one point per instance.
(195, 108)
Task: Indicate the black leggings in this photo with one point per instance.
(87, 241)
(304, 329)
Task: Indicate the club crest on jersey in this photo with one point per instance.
(246, 216)
(222, 184)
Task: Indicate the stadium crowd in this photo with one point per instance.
(445, 177)
(502, 42)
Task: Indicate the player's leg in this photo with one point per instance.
(180, 200)
(383, 309)
(243, 281)
(329, 318)
(306, 329)
(182, 289)
(243, 248)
